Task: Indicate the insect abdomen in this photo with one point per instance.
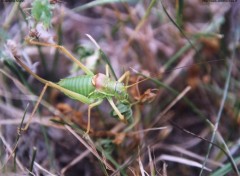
(80, 84)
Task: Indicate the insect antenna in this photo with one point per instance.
(189, 65)
(168, 71)
(137, 82)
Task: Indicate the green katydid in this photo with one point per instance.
(90, 89)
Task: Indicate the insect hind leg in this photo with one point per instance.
(34, 110)
(64, 51)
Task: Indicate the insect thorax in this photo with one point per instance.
(109, 87)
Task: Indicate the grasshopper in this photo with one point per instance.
(90, 88)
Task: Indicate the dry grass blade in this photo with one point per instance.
(75, 161)
(179, 97)
(90, 148)
(20, 165)
(181, 160)
(141, 23)
(181, 150)
(43, 169)
(225, 151)
(142, 170)
(147, 130)
(223, 101)
(151, 164)
(15, 112)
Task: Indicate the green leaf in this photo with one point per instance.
(42, 12)
(107, 145)
(125, 110)
(180, 6)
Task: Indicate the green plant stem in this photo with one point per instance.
(226, 87)
(44, 64)
(32, 161)
(11, 15)
(56, 55)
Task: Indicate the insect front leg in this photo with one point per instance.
(64, 51)
(34, 110)
(121, 117)
(126, 76)
(89, 114)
